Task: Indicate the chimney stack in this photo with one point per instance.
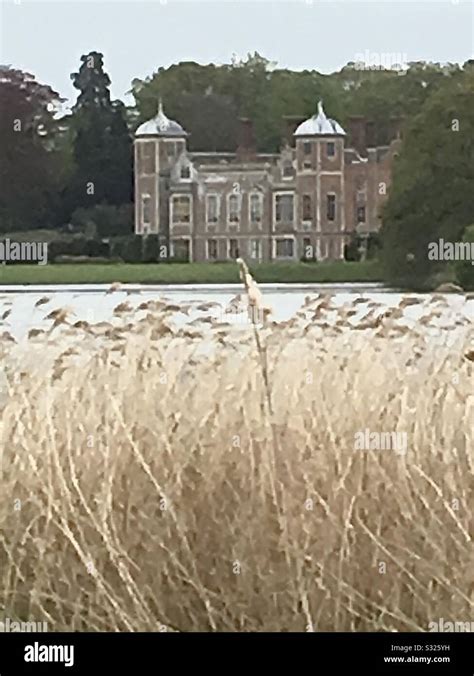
(246, 150)
(370, 134)
(358, 133)
(290, 124)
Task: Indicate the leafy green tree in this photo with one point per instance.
(432, 195)
(254, 87)
(30, 168)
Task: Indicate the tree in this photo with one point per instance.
(255, 88)
(432, 194)
(30, 172)
(102, 143)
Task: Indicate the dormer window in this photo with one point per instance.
(185, 172)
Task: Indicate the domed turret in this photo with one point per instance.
(320, 125)
(160, 125)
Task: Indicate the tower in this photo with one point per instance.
(158, 143)
(320, 183)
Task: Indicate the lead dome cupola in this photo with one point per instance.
(320, 125)
(160, 125)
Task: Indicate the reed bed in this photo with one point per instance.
(171, 482)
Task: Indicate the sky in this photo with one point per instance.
(136, 38)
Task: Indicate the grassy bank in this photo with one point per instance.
(188, 273)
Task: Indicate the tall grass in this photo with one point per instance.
(151, 488)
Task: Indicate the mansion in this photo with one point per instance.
(305, 202)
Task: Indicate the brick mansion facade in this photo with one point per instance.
(304, 202)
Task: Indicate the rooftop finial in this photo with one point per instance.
(320, 107)
(160, 106)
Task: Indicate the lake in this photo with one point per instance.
(95, 303)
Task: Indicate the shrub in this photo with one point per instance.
(67, 246)
(129, 249)
(151, 249)
(104, 220)
(85, 259)
(78, 246)
(351, 250)
(97, 248)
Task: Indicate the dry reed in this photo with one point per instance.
(153, 488)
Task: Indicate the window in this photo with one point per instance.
(180, 250)
(186, 172)
(256, 204)
(331, 207)
(284, 248)
(307, 161)
(233, 248)
(361, 214)
(330, 149)
(170, 148)
(146, 156)
(233, 208)
(146, 209)
(287, 170)
(212, 208)
(255, 249)
(307, 249)
(307, 208)
(212, 249)
(181, 209)
(284, 208)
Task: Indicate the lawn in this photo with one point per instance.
(188, 273)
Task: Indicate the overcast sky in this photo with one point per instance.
(136, 38)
